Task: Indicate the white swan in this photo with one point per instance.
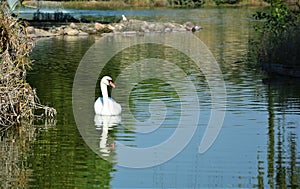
(106, 105)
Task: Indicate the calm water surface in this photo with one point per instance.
(258, 146)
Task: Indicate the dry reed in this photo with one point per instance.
(17, 99)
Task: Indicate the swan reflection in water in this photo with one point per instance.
(104, 124)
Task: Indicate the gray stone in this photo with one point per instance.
(168, 30)
(73, 26)
(61, 31)
(99, 26)
(83, 34)
(71, 32)
(30, 30)
(190, 26)
(41, 33)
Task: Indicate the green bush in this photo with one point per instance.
(218, 2)
(277, 18)
(186, 3)
(279, 35)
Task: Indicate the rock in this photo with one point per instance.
(143, 26)
(179, 30)
(134, 25)
(172, 26)
(129, 33)
(30, 30)
(71, 32)
(159, 27)
(41, 33)
(89, 30)
(99, 26)
(131, 27)
(110, 27)
(73, 25)
(61, 31)
(83, 34)
(190, 26)
(168, 30)
(53, 30)
(119, 27)
(151, 27)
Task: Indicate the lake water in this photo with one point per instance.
(257, 146)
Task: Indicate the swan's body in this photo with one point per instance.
(106, 105)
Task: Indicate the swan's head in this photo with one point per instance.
(107, 81)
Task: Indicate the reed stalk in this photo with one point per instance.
(18, 99)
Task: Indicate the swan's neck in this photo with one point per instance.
(104, 94)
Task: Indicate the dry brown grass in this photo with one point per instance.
(160, 3)
(16, 96)
(17, 99)
(97, 5)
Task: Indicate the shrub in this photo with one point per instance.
(186, 3)
(278, 34)
(218, 2)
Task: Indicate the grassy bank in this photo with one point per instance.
(119, 4)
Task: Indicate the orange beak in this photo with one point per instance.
(112, 84)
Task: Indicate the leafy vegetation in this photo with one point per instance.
(186, 3)
(218, 2)
(279, 37)
(278, 18)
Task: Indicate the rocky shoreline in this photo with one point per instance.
(85, 29)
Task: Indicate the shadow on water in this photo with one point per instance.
(282, 166)
(14, 146)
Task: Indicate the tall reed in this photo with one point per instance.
(17, 99)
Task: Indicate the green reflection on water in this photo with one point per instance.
(59, 157)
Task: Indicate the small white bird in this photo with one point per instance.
(124, 18)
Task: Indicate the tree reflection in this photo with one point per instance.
(282, 155)
(14, 144)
